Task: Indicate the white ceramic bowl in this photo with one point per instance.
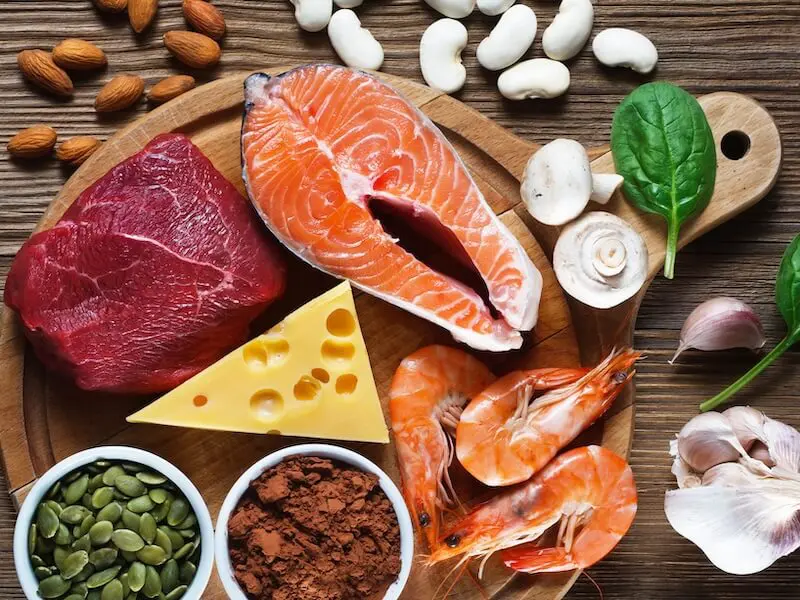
(123, 453)
(224, 567)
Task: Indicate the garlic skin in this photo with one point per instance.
(721, 324)
(707, 441)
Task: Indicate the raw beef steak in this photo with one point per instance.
(154, 273)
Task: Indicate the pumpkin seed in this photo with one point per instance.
(113, 591)
(87, 501)
(101, 532)
(102, 463)
(158, 495)
(131, 520)
(151, 478)
(76, 489)
(141, 504)
(174, 537)
(73, 515)
(63, 537)
(177, 512)
(87, 572)
(86, 525)
(46, 521)
(83, 543)
(70, 477)
(136, 576)
(53, 587)
(123, 579)
(95, 482)
(32, 535)
(147, 528)
(102, 558)
(184, 551)
(189, 522)
(152, 583)
(111, 512)
(132, 467)
(74, 597)
(74, 563)
(187, 571)
(57, 508)
(170, 573)
(54, 490)
(43, 546)
(80, 589)
(102, 496)
(59, 556)
(101, 578)
(186, 534)
(42, 572)
(178, 592)
(162, 540)
(128, 556)
(128, 540)
(152, 555)
(111, 474)
(93, 595)
(161, 511)
(37, 561)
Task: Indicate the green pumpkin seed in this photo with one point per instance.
(86, 525)
(163, 540)
(102, 463)
(151, 478)
(152, 555)
(102, 558)
(93, 595)
(32, 535)
(37, 561)
(140, 505)
(53, 587)
(95, 482)
(111, 512)
(43, 546)
(101, 532)
(132, 467)
(46, 521)
(74, 597)
(76, 489)
(63, 537)
(111, 474)
(186, 534)
(59, 556)
(128, 556)
(54, 490)
(178, 592)
(160, 512)
(147, 528)
(131, 519)
(79, 589)
(87, 501)
(57, 508)
(187, 572)
(42, 573)
(113, 591)
(101, 578)
(174, 537)
(74, 563)
(73, 515)
(128, 540)
(83, 543)
(126, 589)
(189, 522)
(87, 572)
(158, 495)
(102, 496)
(184, 551)
(177, 512)
(170, 573)
(136, 576)
(152, 583)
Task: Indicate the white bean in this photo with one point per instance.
(617, 47)
(355, 45)
(570, 30)
(312, 15)
(455, 9)
(494, 7)
(509, 40)
(535, 78)
(440, 55)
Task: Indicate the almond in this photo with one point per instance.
(204, 17)
(170, 88)
(141, 13)
(37, 66)
(111, 5)
(75, 151)
(193, 49)
(33, 142)
(79, 55)
(120, 93)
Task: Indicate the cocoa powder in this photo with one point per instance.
(315, 529)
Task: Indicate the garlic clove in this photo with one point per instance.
(733, 474)
(684, 474)
(721, 324)
(783, 443)
(747, 424)
(707, 441)
(772, 442)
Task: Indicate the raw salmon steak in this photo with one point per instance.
(321, 142)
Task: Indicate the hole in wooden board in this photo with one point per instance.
(735, 145)
(200, 400)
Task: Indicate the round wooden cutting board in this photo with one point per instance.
(45, 418)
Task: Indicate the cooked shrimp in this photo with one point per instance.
(428, 392)
(589, 490)
(505, 435)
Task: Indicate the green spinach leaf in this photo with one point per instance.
(663, 146)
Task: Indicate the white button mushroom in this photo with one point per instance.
(354, 44)
(440, 55)
(600, 260)
(494, 7)
(604, 186)
(509, 40)
(557, 183)
(617, 47)
(535, 78)
(455, 9)
(570, 30)
(348, 3)
(312, 15)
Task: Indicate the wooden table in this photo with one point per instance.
(705, 45)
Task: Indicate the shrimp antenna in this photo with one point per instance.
(481, 590)
(458, 569)
(596, 585)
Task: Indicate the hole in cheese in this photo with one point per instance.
(266, 352)
(266, 405)
(337, 352)
(346, 384)
(341, 323)
(321, 375)
(306, 388)
(200, 400)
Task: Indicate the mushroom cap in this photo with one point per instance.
(558, 182)
(600, 260)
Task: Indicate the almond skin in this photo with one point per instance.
(141, 13)
(205, 18)
(170, 88)
(79, 55)
(75, 151)
(120, 93)
(193, 49)
(33, 142)
(113, 6)
(37, 66)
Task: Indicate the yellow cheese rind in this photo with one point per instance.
(307, 376)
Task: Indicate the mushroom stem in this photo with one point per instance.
(609, 256)
(604, 185)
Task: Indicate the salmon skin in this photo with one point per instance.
(321, 141)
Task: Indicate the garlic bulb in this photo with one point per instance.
(738, 475)
(721, 324)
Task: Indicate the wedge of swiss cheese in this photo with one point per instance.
(307, 376)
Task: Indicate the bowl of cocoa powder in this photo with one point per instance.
(317, 522)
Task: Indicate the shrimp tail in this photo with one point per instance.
(529, 558)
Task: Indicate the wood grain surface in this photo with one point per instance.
(705, 45)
